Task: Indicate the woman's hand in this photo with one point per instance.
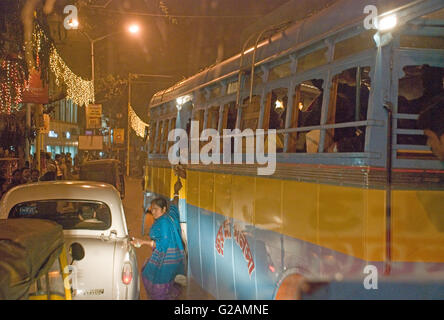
(139, 242)
(177, 186)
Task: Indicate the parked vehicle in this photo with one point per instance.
(106, 170)
(33, 261)
(103, 262)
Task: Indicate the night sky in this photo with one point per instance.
(197, 34)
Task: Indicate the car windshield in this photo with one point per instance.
(71, 214)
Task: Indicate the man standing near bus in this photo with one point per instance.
(431, 121)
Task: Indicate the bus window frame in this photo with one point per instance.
(411, 57)
(326, 73)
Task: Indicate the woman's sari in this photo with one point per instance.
(167, 259)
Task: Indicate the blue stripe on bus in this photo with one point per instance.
(207, 251)
(193, 243)
(275, 256)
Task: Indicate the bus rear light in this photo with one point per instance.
(127, 273)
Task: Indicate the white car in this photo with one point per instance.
(102, 260)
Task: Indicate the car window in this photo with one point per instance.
(71, 214)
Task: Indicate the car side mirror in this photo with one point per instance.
(77, 251)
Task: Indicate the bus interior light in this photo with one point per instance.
(387, 23)
(279, 106)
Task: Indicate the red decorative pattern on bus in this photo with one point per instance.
(240, 239)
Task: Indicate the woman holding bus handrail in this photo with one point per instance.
(168, 257)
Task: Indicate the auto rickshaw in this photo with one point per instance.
(33, 261)
(104, 170)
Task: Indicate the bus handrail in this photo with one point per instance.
(369, 123)
(411, 147)
(415, 132)
(406, 116)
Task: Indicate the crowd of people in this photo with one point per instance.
(60, 168)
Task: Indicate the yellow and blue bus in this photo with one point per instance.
(355, 183)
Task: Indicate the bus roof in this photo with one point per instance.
(331, 20)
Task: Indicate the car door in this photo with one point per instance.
(92, 275)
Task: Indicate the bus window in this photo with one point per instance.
(164, 137)
(426, 41)
(348, 103)
(232, 87)
(420, 87)
(308, 101)
(229, 120)
(250, 113)
(172, 127)
(280, 71)
(198, 115)
(159, 138)
(152, 131)
(258, 74)
(213, 118)
(230, 115)
(156, 136)
(312, 60)
(275, 115)
(354, 45)
(215, 92)
(162, 130)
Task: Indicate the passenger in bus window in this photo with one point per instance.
(431, 121)
(309, 108)
(311, 114)
(414, 98)
(312, 140)
(278, 112)
(350, 139)
(232, 114)
(230, 119)
(430, 88)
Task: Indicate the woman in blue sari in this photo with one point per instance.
(168, 257)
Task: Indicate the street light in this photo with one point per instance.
(133, 29)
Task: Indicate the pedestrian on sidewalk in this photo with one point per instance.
(168, 257)
(35, 175)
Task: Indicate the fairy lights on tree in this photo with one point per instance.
(14, 74)
(80, 91)
(13, 78)
(136, 123)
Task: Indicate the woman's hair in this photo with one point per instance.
(160, 202)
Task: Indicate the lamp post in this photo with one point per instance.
(133, 29)
(131, 75)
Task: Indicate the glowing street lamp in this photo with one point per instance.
(134, 28)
